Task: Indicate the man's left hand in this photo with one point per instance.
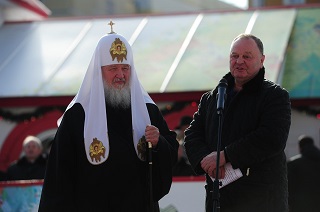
(152, 135)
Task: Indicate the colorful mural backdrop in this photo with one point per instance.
(302, 67)
(20, 197)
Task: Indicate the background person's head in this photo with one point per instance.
(184, 123)
(32, 148)
(304, 142)
(246, 57)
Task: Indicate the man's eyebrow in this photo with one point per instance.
(231, 53)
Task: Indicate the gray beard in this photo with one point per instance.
(117, 98)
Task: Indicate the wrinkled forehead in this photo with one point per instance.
(249, 44)
(114, 49)
(244, 45)
(116, 66)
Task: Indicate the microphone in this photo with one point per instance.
(221, 95)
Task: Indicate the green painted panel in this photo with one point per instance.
(51, 58)
(302, 67)
(274, 28)
(206, 58)
(157, 46)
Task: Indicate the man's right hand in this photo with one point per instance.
(209, 164)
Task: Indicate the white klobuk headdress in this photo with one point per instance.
(111, 49)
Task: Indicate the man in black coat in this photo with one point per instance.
(98, 160)
(303, 177)
(255, 127)
(31, 165)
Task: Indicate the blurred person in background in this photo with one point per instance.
(32, 164)
(182, 167)
(304, 177)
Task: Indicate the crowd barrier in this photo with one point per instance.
(186, 195)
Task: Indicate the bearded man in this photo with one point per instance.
(96, 162)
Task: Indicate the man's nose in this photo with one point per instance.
(120, 73)
(239, 60)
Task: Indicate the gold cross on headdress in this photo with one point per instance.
(111, 24)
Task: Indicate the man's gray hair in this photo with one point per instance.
(248, 36)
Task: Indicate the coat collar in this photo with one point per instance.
(253, 85)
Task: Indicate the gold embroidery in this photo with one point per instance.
(118, 50)
(97, 150)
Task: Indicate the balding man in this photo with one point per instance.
(32, 164)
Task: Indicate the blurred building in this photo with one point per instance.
(125, 7)
(19, 10)
(272, 3)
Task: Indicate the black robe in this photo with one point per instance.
(72, 183)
